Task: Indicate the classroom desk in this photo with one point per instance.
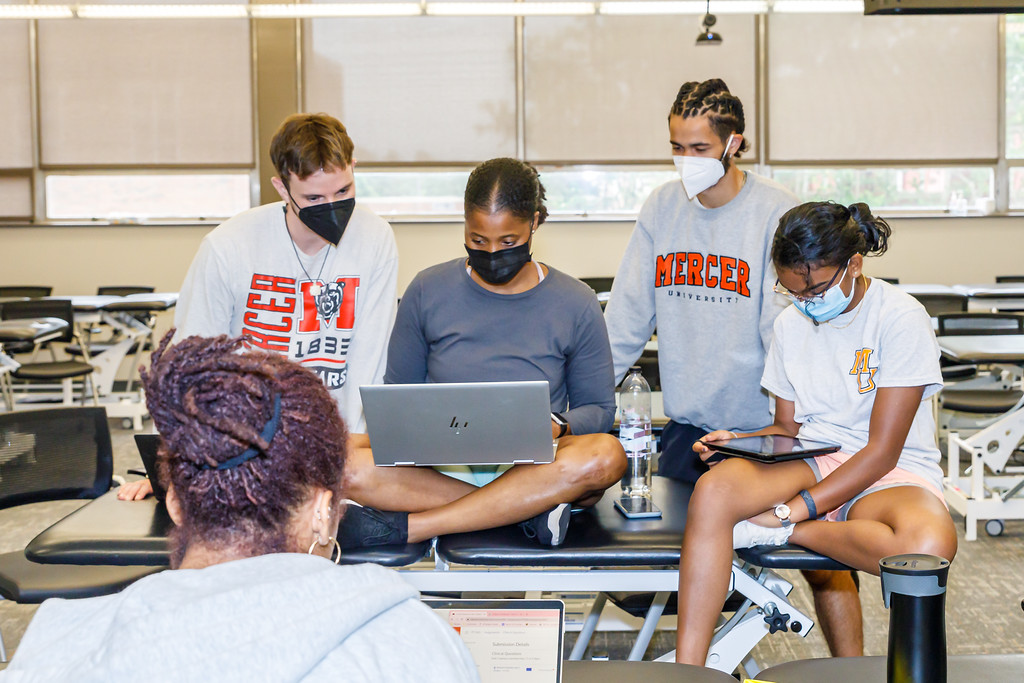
(959, 669)
(989, 489)
(1003, 296)
(603, 552)
(640, 672)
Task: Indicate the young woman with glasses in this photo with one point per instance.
(852, 362)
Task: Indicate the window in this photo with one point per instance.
(132, 198)
(958, 191)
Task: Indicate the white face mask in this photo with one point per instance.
(700, 173)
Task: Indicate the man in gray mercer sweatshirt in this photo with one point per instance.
(698, 269)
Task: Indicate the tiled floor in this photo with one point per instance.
(983, 610)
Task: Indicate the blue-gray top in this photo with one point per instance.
(450, 329)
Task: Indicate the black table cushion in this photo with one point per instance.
(787, 557)
(980, 401)
(598, 536)
(118, 532)
(58, 370)
(24, 581)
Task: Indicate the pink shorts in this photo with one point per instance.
(823, 465)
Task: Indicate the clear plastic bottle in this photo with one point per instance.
(635, 433)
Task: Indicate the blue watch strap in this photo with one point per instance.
(812, 509)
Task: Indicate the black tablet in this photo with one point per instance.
(774, 448)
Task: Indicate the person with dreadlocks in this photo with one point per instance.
(698, 269)
(253, 449)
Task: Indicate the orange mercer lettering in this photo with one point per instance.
(712, 262)
(265, 341)
(693, 271)
(699, 270)
(728, 266)
(272, 283)
(680, 268)
(742, 275)
(663, 272)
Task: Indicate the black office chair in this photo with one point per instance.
(64, 371)
(979, 401)
(56, 454)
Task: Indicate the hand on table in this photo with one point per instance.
(135, 490)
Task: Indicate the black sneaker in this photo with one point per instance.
(549, 527)
(362, 526)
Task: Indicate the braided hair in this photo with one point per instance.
(506, 184)
(827, 234)
(210, 404)
(712, 98)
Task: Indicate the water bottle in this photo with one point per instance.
(914, 590)
(635, 433)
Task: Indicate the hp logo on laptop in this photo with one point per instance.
(458, 427)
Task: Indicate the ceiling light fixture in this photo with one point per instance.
(707, 36)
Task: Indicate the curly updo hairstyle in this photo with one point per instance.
(210, 404)
(506, 184)
(827, 234)
(723, 109)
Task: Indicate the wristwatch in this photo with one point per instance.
(563, 424)
(782, 512)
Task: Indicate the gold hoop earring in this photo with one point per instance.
(330, 539)
(337, 548)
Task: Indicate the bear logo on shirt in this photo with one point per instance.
(862, 370)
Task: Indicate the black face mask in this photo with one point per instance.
(327, 220)
(499, 267)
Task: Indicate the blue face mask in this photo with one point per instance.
(828, 306)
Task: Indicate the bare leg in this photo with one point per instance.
(902, 519)
(584, 467)
(837, 604)
(732, 491)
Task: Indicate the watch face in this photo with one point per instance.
(782, 511)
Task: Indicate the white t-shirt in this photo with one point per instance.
(248, 278)
(831, 372)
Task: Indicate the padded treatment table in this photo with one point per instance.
(987, 488)
(959, 669)
(645, 672)
(1001, 296)
(30, 330)
(116, 311)
(119, 532)
(606, 552)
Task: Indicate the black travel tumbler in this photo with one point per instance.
(914, 591)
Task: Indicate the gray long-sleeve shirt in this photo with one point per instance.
(450, 329)
(704, 278)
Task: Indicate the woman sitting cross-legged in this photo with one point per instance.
(497, 315)
(253, 450)
(852, 362)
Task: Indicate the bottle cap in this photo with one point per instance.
(634, 368)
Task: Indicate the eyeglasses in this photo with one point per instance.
(779, 289)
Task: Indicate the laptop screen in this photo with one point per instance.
(510, 640)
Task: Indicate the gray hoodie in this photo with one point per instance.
(285, 617)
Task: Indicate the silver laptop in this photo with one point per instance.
(509, 640)
(475, 423)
